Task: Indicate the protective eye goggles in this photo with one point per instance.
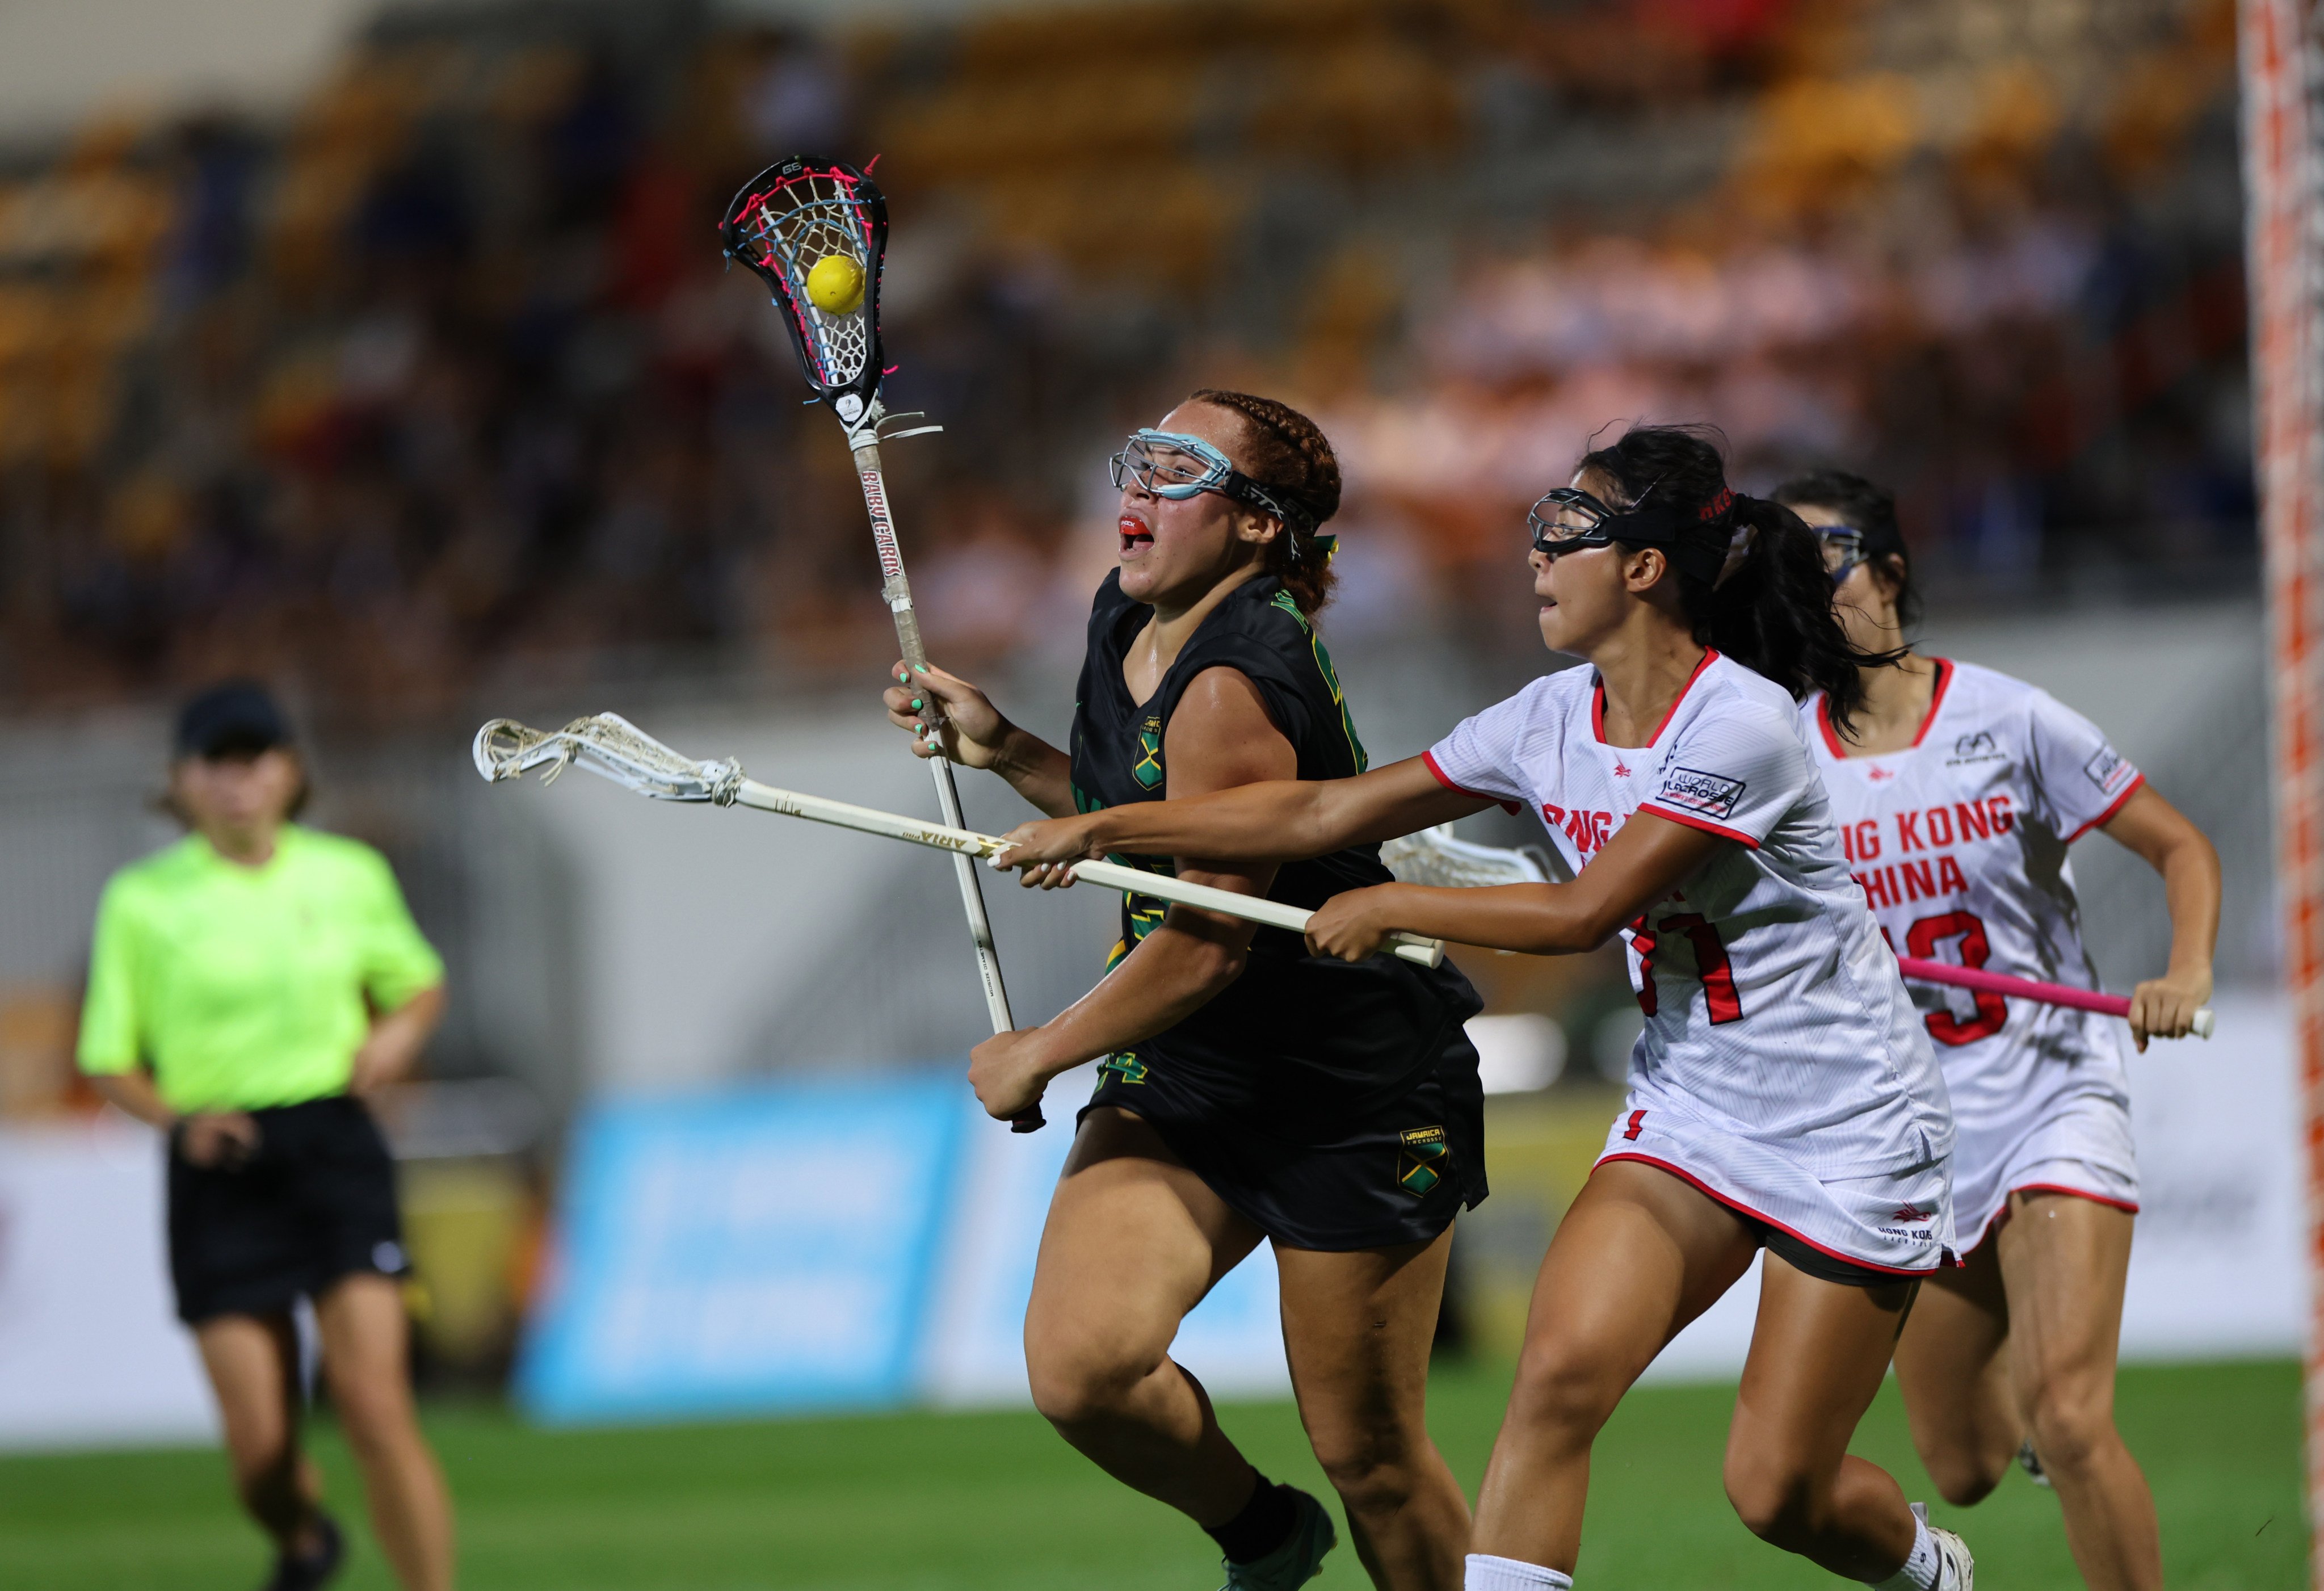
(1173, 465)
(1569, 519)
(1704, 543)
(1843, 550)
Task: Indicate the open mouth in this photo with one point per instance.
(1136, 534)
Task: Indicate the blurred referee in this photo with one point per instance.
(247, 986)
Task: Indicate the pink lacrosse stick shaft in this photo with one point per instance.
(2001, 983)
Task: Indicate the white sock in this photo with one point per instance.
(1487, 1573)
(1921, 1565)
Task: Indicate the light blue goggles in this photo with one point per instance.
(1173, 465)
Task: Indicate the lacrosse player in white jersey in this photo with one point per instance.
(1958, 791)
(1781, 1095)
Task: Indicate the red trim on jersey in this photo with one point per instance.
(1739, 1208)
(2107, 815)
(1705, 824)
(1936, 699)
(2000, 1218)
(1598, 703)
(1446, 780)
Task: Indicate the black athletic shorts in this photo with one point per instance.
(1812, 1261)
(1398, 1173)
(315, 1203)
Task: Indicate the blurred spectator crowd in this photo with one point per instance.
(438, 380)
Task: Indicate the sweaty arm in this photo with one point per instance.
(1220, 735)
(2174, 847)
(1279, 820)
(1647, 857)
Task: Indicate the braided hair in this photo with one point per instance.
(1288, 453)
(1772, 611)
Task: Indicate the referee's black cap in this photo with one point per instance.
(240, 715)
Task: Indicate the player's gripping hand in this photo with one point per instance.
(2165, 1007)
(216, 1140)
(1353, 926)
(968, 728)
(1044, 851)
(1010, 1072)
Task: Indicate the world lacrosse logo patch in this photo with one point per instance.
(1422, 1156)
(1148, 769)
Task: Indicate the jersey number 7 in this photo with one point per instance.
(1711, 964)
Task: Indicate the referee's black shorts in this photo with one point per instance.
(314, 1204)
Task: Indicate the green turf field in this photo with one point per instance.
(921, 1503)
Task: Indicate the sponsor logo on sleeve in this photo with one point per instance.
(1690, 789)
(2110, 772)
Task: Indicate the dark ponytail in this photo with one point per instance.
(1762, 596)
(1288, 453)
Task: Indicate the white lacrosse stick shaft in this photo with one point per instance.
(615, 748)
(864, 441)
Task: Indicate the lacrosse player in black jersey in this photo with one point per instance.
(1248, 1090)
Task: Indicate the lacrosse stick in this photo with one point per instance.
(2002, 983)
(1434, 856)
(785, 222)
(610, 746)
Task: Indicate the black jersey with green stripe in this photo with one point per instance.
(1293, 1030)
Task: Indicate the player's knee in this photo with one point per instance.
(265, 1468)
(376, 1420)
(2071, 1422)
(1778, 1502)
(1083, 1384)
(1563, 1389)
(1373, 1471)
(1964, 1479)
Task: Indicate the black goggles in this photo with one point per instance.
(1568, 518)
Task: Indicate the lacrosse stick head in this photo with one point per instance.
(609, 745)
(782, 224)
(1433, 857)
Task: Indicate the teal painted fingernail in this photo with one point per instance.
(920, 668)
(916, 704)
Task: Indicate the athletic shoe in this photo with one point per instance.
(2029, 1462)
(1956, 1570)
(1296, 1561)
(308, 1571)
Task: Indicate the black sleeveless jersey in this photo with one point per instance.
(1309, 1039)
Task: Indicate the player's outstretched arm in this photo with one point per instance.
(2171, 843)
(1281, 821)
(1647, 859)
(976, 735)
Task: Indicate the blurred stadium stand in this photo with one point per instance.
(425, 397)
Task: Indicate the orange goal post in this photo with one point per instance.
(2281, 51)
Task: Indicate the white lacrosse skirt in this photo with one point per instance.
(2082, 1145)
(1898, 1222)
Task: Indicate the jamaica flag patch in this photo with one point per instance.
(1422, 1159)
(1125, 1066)
(1148, 769)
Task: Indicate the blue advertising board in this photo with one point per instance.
(756, 1249)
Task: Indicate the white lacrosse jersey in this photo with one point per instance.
(1959, 842)
(1774, 1012)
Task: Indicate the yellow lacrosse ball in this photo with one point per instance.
(834, 284)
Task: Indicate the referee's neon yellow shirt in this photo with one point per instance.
(247, 986)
